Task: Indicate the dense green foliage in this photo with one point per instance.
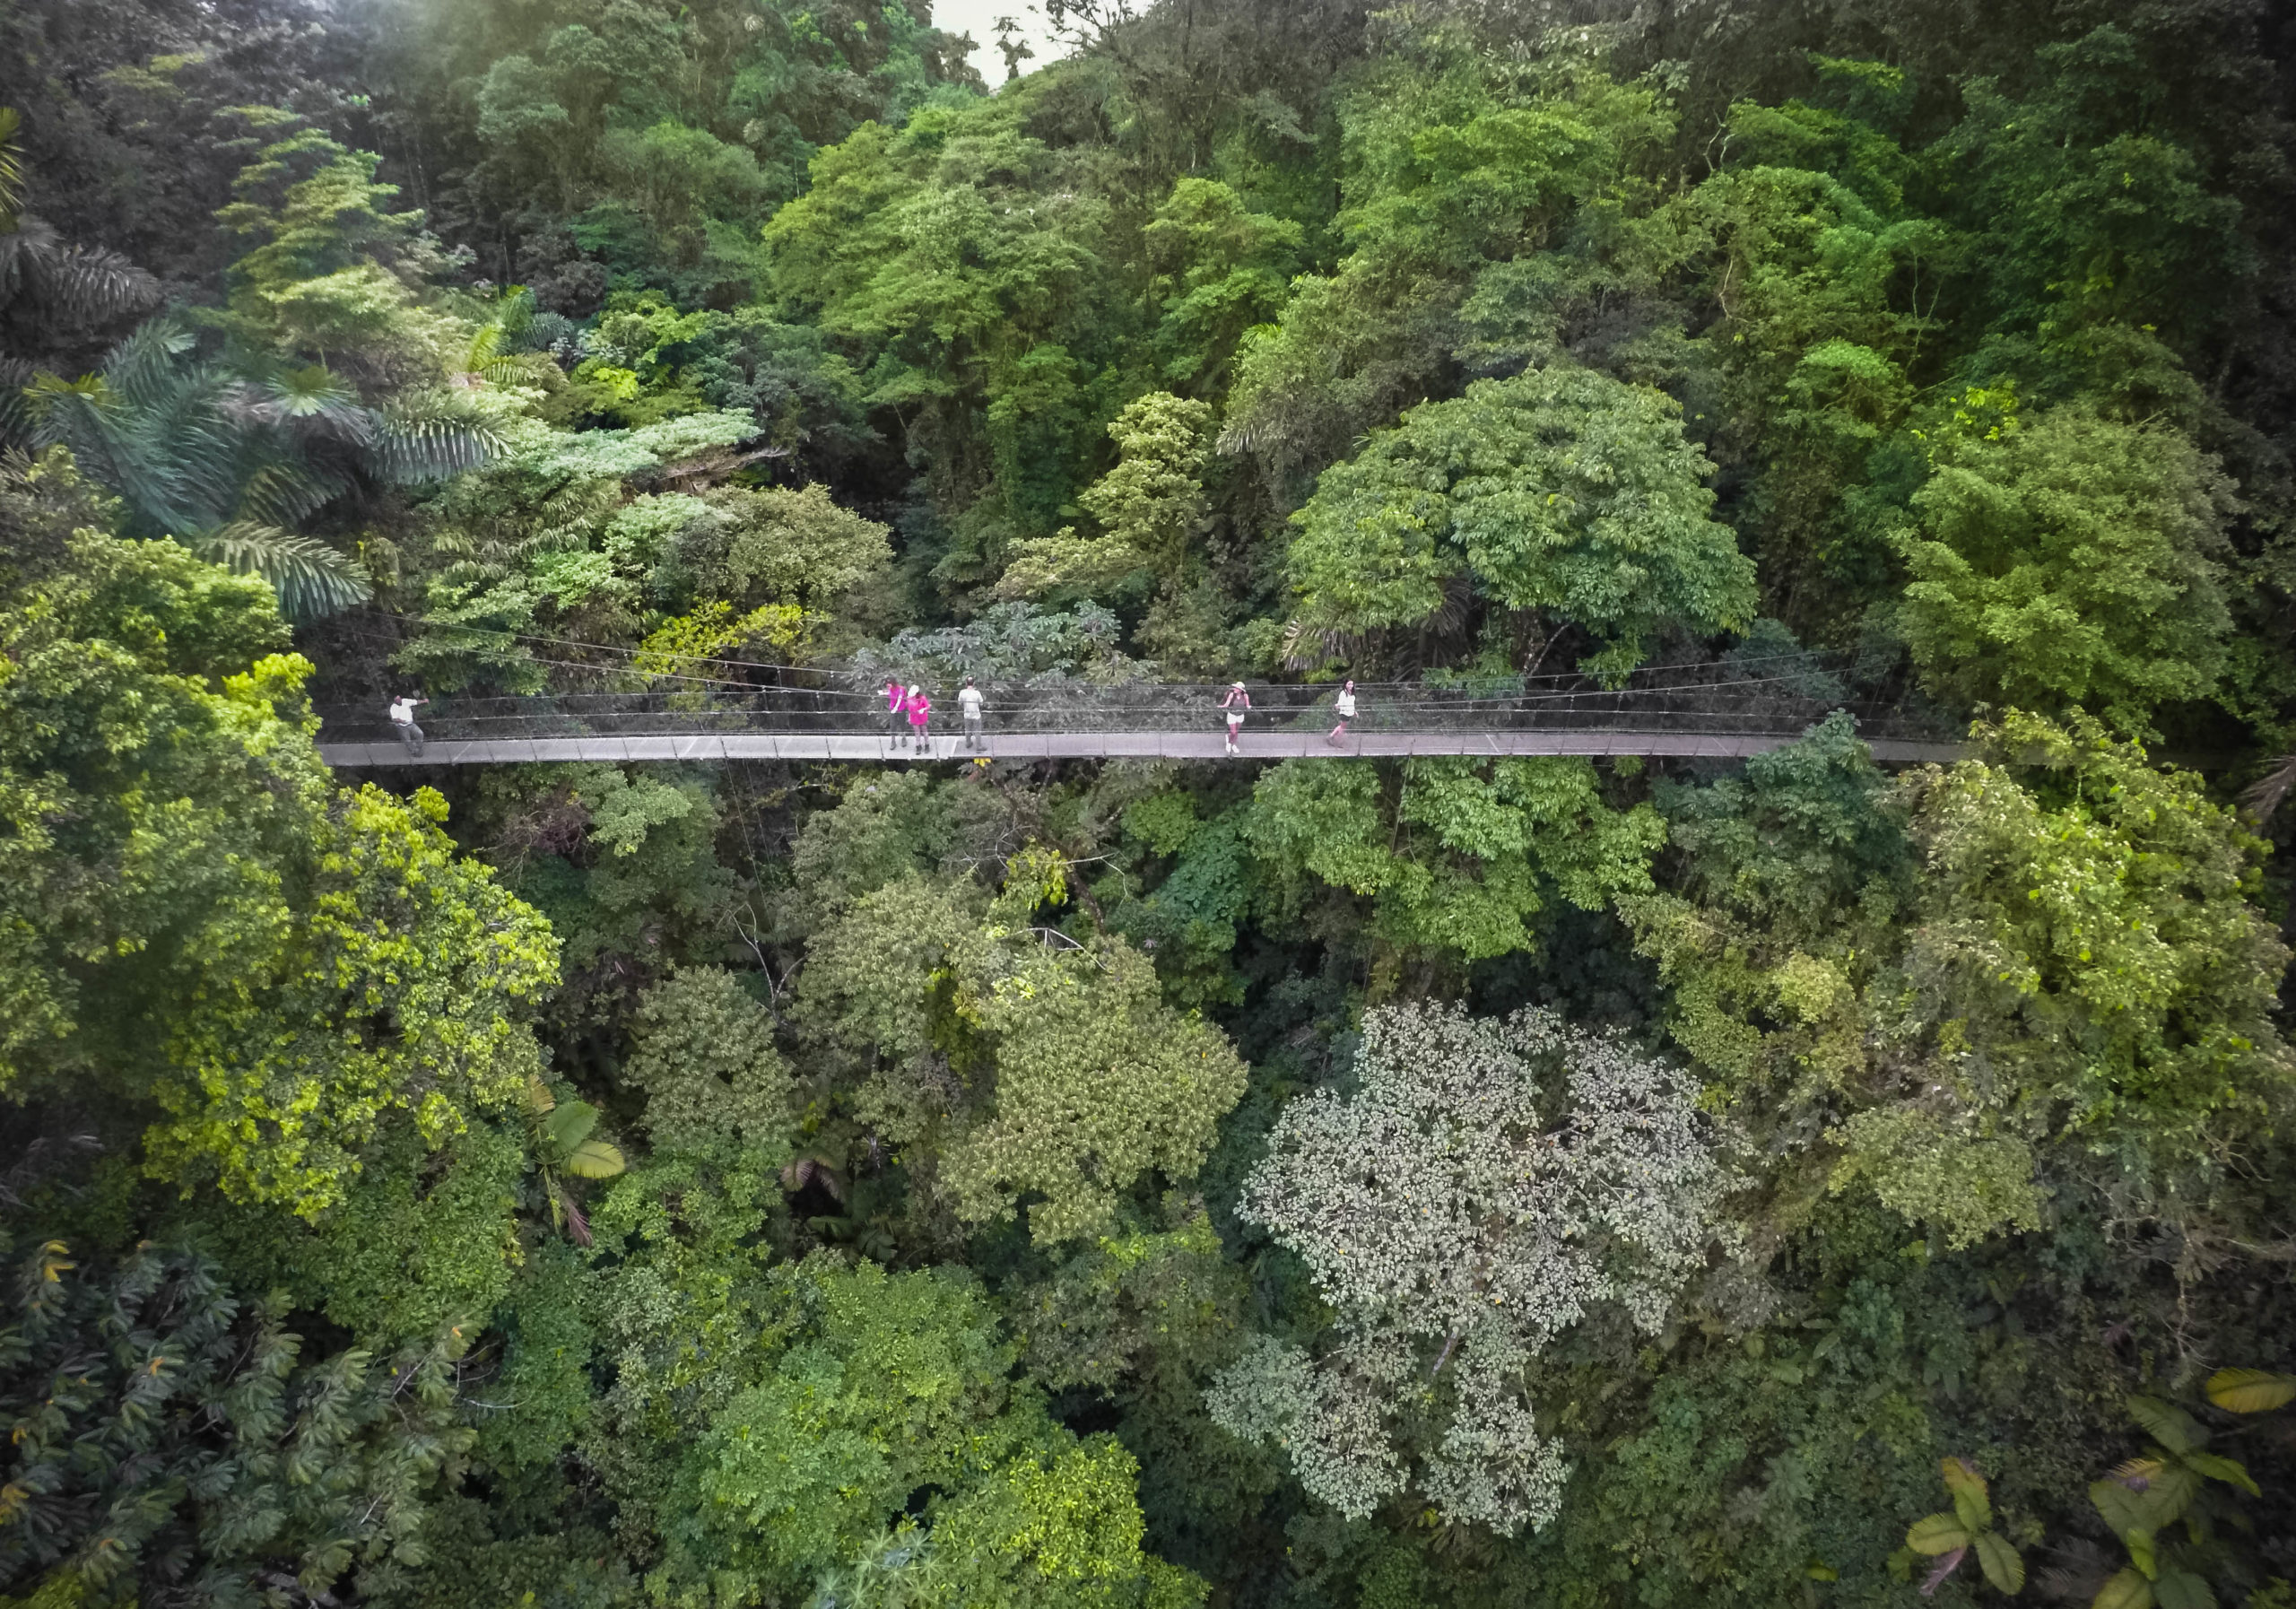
(1470, 1183)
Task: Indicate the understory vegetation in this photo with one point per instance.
(1531, 1183)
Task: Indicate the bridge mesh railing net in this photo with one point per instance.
(1715, 700)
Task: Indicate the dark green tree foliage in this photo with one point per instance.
(645, 142)
(171, 1443)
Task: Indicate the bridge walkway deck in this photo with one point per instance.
(863, 748)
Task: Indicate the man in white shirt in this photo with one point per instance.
(969, 707)
(1344, 705)
(402, 717)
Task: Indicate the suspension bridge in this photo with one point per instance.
(1720, 711)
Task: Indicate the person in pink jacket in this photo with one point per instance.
(920, 713)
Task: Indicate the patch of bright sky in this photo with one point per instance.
(978, 19)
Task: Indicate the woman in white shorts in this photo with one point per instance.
(1238, 703)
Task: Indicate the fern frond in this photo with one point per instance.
(311, 578)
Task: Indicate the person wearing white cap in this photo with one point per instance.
(1238, 703)
(920, 714)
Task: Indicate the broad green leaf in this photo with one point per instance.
(571, 1124)
(2251, 1390)
(2182, 1589)
(2173, 1493)
(1969, 1489)
(2002, 1564)
(2142, 1554)
(1936, 1534)
(2140, 1503)
(2168, 1424)
(594, 1159)
(2126, 1590)
(2230, 1471)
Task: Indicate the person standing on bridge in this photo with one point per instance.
(920, 716)
(969, 707)
(1345, 705)
(1238, 703)
(896, 711)
(402, 717)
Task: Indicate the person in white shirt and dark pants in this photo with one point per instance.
(969, 706)
(402, 717)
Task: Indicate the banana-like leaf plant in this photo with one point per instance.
(563, 1149)
(2168, 1485)
(1948, 1537)
(1966, 1529)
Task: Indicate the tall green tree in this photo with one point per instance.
(1558, 499)
(2071, 560)
(200, 922)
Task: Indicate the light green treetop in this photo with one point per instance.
(706, 1059)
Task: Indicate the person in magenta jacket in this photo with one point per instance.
(920, 713)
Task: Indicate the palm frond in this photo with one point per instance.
(310, 403)
(485, 348)
(2263, 795)
(93, 285)
(22, 245)
(429, 441)
(15, 407)
(311, 578)
(112, 444)
(143, 368)
(68, 284)
(12, 167)
(283, 492)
